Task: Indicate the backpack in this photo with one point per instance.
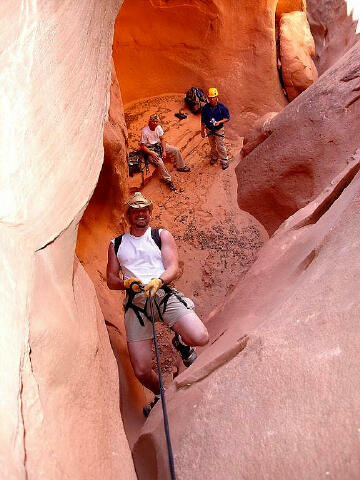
(155, 235)
(195, 99)
(134, 163)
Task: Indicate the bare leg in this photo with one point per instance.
(141, 360)
(192, 330)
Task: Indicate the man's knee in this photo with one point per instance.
(142, 371)
(202, 337)
(171, 150)
(192, 330)
(198, 338)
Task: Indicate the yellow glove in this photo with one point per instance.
(129, 281)
(153, 285)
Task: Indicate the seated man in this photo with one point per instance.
(154, 145)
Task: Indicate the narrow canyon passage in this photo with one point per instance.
(278, 380)
(217, 241)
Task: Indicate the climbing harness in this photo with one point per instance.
(213, 133)
(161, 307)
(161, 384)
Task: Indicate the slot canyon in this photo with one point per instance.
(267, 247)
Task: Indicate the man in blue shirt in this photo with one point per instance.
(213, 116)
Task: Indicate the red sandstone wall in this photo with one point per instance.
(333, 30)
(59, 404)
(169, 46)
(102, 221)
(307, 144)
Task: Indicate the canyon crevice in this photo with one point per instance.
(275, 392)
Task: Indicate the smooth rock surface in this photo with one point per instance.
(257, 133)
(297, 48)
(333, 28)
(165, 47)
(311, 142)
(287, 6)
(275, 408)
(58, 374)
(103, 220)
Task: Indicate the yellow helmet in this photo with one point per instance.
(213, 92)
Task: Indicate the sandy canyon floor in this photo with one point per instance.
(217, 241)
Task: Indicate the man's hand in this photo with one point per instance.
(135, 288)
(154, 154)
(153, 286)
(203, 133)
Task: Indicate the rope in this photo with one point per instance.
(162, 393)
(161, 384)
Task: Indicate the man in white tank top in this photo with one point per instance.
(143, 263)
(153, 144)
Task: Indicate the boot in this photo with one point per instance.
(147, 409)
(170, 184)
(188, 354)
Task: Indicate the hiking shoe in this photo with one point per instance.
(187, 354)
(168, 183)
(213, 161)
(180, 115)
(147, 409)
(185, 168)
(224, 167)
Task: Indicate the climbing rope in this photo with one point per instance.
(162, 393)
(161, 384)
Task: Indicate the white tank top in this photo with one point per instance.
(140, 257)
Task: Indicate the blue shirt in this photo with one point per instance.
(219, 112)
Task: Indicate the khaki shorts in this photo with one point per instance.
(175, 310)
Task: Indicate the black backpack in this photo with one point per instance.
(134, 163)
(195, 99)
(155, 235)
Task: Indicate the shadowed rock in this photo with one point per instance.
(274, 409)
(334, 31)
(311, 142)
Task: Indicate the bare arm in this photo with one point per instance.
(113, 271)
(169, 255)
(221, 122)
(163, 144)
(147, 150)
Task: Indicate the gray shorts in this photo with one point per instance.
(174, 311)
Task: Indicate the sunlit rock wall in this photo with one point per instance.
(169, 46)
(59, 388)
(103, 220)
(296, 51)
(334, 25)
(307, 144)
(276, 392)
